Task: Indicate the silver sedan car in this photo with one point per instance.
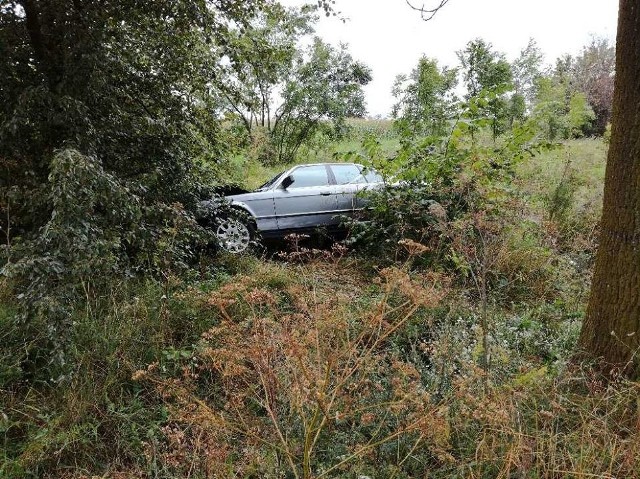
(302, 198)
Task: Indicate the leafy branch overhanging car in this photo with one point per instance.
(302, 198)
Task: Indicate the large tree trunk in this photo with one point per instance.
(611, 331)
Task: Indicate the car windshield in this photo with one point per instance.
(270, 183)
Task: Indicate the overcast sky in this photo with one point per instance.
(390, 37)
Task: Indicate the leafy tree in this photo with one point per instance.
(101, 119)
(590, 75)
(425, 98)
(559, 113)
(262, 57)
(527, 69)
(611, 330)
(324, 86)
(486, 70)
(593, 74)
(483, 68)
(280, 93)
(122, 81)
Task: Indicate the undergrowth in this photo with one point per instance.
(443, 352)
(321, 367)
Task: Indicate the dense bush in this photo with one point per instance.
(98, 230)
(307, 379)
(305, 386)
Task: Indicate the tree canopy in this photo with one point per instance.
(282, 93)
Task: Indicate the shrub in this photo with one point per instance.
(98, 230)
(97, 419)
(545, 425)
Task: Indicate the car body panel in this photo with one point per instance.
(309, 201)
(305, 207)
(278, 210)
(260, 205)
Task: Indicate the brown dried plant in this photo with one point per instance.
(303, 384)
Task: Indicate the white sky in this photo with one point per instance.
(390, 37)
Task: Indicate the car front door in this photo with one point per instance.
(308, 201)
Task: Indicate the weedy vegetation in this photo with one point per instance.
(437, 340)
(441, 345)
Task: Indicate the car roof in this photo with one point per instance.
(328, 163)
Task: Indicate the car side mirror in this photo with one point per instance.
(287, 182)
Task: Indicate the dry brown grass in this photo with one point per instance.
(305, 381)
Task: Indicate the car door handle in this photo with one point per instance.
(325, 194)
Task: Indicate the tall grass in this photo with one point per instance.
(97, 418)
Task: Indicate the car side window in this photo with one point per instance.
(373, 176)
(347, 174)
(305, 176)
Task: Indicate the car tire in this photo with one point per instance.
(236, 233)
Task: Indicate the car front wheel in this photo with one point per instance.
(235, 234)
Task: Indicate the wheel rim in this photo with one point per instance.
(233, 235)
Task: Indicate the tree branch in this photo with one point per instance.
(246, 122)
(427, 13)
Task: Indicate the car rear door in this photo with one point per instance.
(349, 181)
(309, 201)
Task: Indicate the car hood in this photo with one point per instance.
(244, 197)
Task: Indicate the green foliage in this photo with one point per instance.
(592, 74)
(482, 68)
(425, 99)
(282, 95)
(571, 100)
(438, 180)
(10, 363)
(98, 229)
(517, 108)
(580, 114)
(579, 92)
(75, 248)
(126, 83)
(559, 113)
(262, 57)
(487, 75)
(99, 419)
(527, 70)
(191, 411)
(326, 86)
(561, 199)
(129, 116)
(105, 138)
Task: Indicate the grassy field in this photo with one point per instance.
(578, 164)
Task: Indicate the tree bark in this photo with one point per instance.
(611, 330)
(32, 16)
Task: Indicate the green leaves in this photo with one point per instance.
(103, 122)
(99, 229)
(326, 86)
(559, 113)
(425, 99)
(280, 93)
